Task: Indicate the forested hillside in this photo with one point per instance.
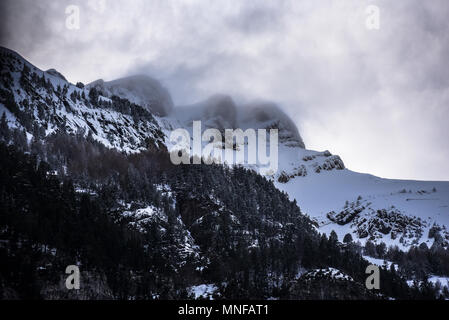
(141, 228)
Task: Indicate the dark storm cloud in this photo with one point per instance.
(17, 19)
(379, 98)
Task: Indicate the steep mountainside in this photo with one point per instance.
(44, 102)
(111, 113)
(102, 149)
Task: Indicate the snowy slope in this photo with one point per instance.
(426, 203)
(46, 99)
(397, 212)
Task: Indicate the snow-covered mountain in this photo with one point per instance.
(43, 102)
(137, 113)
(141, 89)
(397, 212)
(221, 112)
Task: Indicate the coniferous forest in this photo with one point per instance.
(141, 228)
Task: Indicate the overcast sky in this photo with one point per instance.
(378, 98)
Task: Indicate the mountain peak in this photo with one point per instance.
(139, 89)
(221, 112)
(264, 114)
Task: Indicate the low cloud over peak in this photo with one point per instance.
(379, 98)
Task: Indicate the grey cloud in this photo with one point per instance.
(256, 19)
(380, 99)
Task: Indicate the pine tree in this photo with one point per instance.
(73, 96)
(333, 237)
(347, 238)
(93, 96)
(370, 249)
(4, 129)
(24, 76)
